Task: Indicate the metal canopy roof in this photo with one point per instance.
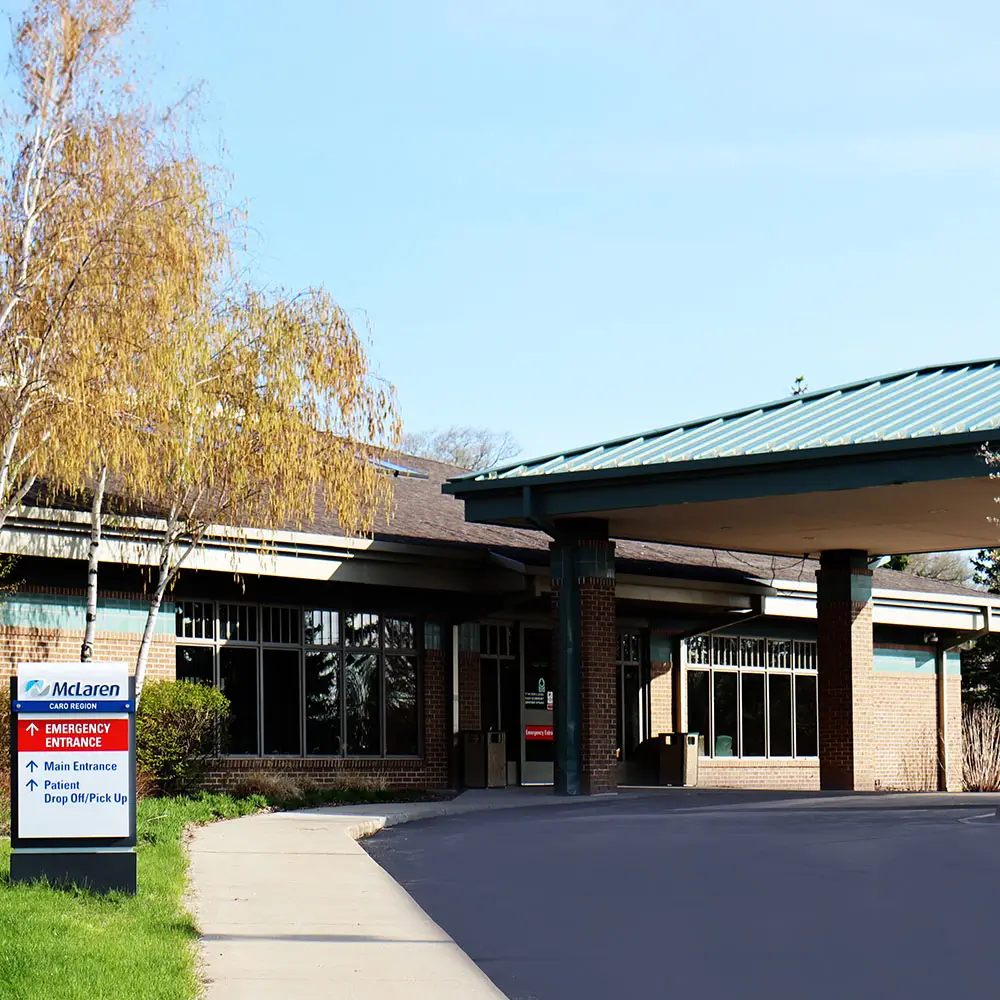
(891, 464)
(920, 403)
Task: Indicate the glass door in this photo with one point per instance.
(538, 736)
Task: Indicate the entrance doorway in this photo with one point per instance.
(538, 760)
(500, 686)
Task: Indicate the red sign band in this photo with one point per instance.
(71, 735)
(538, 733)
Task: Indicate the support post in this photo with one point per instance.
(586, 699)
(847, 726)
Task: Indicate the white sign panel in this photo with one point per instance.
(74, 771)
(72, 687)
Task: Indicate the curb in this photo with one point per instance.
(368, 824)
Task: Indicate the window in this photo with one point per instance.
(779, 692)
(632, 684)
(196, 663)
(195, 620)
(306, 681)
(323, 703)
(752, 697)
(238, 682)
(238, 622)
(500, 685)
(400, 673)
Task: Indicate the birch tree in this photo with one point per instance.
(101, 223)
(129, 366)
(279, 416)
(108, 229)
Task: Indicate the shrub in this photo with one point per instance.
(177, 728)
(981, 748)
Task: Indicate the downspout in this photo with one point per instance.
(941, 669)
(454, 680)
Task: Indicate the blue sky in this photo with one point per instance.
(572, 219)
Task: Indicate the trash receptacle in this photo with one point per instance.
(678, 759)
(473, 758)
(496, 759)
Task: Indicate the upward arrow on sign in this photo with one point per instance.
(31, 728)
(31, 765)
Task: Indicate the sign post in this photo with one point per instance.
(72, 771)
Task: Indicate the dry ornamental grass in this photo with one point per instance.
(981, 748)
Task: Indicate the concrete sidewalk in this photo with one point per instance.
(290, 906)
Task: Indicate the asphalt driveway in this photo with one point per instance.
(714, 895)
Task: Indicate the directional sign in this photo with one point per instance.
(73, 777)
(73, 771)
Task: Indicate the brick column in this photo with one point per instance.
(847, 725)
(586, 700)
(437, 718)
(661, 685)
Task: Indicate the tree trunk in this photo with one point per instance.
(93, 558)
(166, 571)
(142, 660)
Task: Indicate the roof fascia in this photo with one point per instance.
(819, 470)
(147, 530)
(928, 597)
(958, 612)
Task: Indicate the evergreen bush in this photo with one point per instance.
(177, 729)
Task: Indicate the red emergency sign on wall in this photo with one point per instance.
(538, 733)
(65, 735)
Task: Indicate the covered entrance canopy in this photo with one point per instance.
(886, 465)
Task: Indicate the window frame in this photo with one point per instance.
(711, 654)
(301, 647)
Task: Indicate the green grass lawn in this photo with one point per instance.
(64, 944)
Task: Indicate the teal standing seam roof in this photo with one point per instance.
(920, 403)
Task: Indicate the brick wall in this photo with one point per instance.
(328, 771)
(437, 719)
(905, 733)
(469, 693)
(19, 645)
(593, 568)
(790, 775)
(846, 673)
(661, 697)
(954, 778)
(598, 687)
